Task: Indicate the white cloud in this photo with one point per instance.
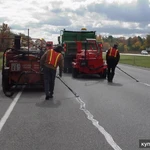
(46, 18)
(121, 1)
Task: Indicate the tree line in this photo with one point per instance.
(132, 44)
(7, 37)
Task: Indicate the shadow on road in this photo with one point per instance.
(49, 103)
(114, 84)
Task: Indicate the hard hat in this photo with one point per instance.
(83, 28)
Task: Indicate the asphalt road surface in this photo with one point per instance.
(86, 113)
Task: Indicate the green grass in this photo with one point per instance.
(142, 61)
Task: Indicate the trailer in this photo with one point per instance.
(20, 66)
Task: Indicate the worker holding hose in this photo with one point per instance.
(50, 60)
(112, 59)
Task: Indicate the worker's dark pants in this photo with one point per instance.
(111, 69)
(49, 80)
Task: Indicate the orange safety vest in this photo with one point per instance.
(113, 52)
(53, 58)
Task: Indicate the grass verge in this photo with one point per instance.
(141, 61)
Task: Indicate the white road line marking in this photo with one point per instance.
(107, 136)
(145, 84)
(9, 110)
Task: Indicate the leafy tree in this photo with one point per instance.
(129, 42)
(110, 39)
(140, 39)
(5, 35)
(125, 48)
(122, 40)
(137, 45)
(99, 38)
(147, 41)
(121, 47)
(106, 46)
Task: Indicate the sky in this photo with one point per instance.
(46, 18)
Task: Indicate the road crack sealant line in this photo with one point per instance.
(133, 77)
(127, 74)
(145, 84)
(90, 117)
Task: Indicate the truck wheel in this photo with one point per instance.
(74, 73)
(70, 70)
(65, 70)
(104, 74)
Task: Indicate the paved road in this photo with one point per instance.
(89, 114)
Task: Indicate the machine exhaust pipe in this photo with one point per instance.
(17, 42)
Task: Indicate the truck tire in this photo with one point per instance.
(74, 73)
(69, 70)
(65, 70)
(104, 74)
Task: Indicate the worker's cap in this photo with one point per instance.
(58, 48)
(115, 46)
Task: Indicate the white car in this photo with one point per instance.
(144, 52)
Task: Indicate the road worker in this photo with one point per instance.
(112, 59)
(49, 61)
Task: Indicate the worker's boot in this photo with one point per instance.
(51, 95)
(110, 77)
(47, 97)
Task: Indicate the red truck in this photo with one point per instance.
(89, 59)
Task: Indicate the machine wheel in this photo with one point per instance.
(5, 83)
(74, 73)
(5, 80)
